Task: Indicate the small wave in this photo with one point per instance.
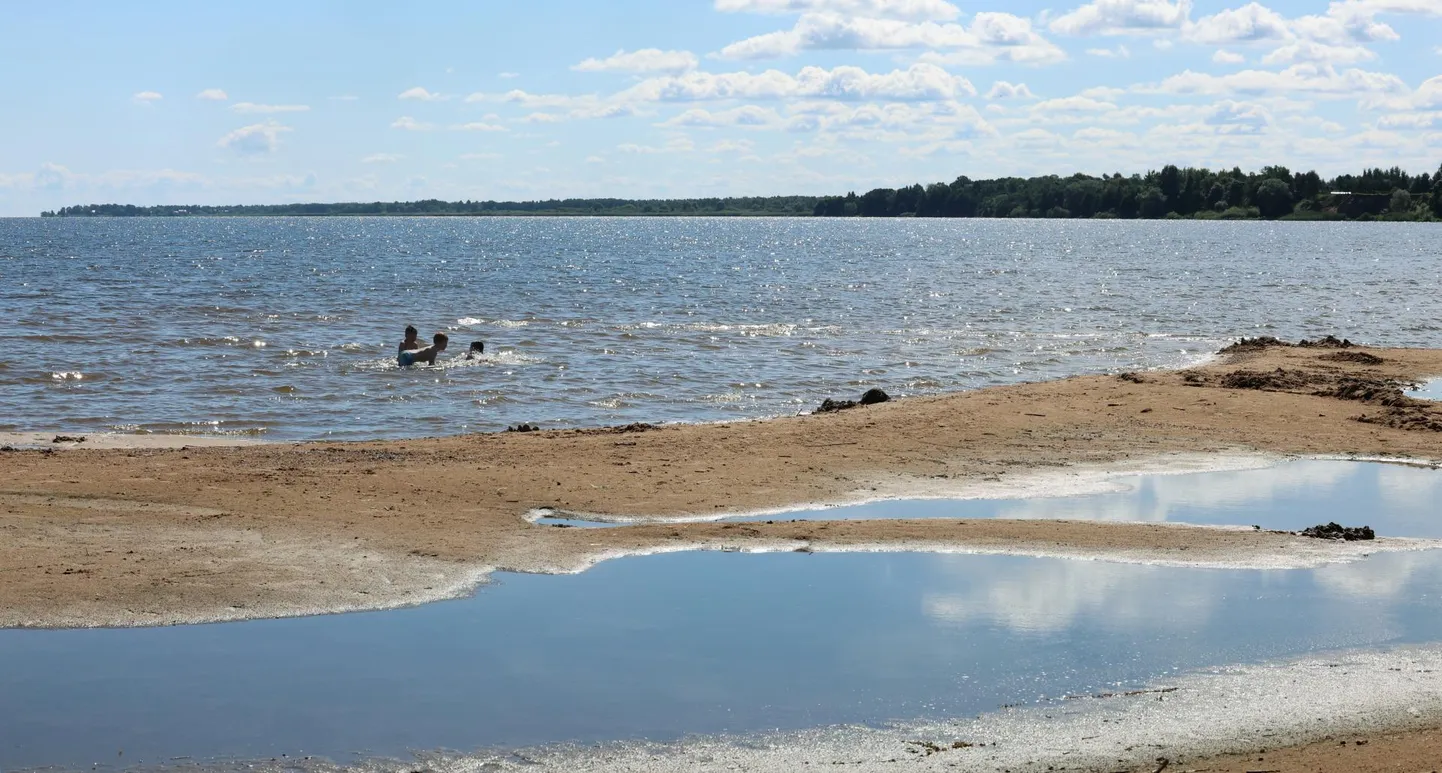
(506, 323)
(67, 375)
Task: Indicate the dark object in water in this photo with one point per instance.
(871, 397)
(1326, 342)
(1264, 342)
(524, 428)
(68, 439)
(1334, 531)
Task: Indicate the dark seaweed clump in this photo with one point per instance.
(1335, 531)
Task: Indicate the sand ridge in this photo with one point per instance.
(152, 535)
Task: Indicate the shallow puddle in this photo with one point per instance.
(1429, 390)
(1394, 499)
(664, 646)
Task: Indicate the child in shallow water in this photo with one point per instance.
(427, 355)
(478, 348)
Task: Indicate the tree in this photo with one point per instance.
(1401, 202)
(1274, 198)
(1151, 203)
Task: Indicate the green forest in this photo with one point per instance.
(1274, 193)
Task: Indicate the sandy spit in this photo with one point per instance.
(144, 536)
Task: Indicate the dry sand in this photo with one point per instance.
(143, 536)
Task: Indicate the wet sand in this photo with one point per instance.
(144, 536)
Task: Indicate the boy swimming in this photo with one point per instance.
(426, 355)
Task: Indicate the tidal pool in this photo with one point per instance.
(1429, 390)
(1397, 500)
(661, 647)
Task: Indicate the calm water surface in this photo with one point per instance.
(286, 328)
(664, 646)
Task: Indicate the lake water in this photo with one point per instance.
(286, 328)
(666, 646)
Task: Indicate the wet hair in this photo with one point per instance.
(440, 339)
(479, 347)
(410, 332)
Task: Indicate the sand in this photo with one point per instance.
(145, 535)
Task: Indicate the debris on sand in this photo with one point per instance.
(1132, 378)
(1370, 390)
(1279, 380)
(69, 439)
(524, 428)
(871, 397)
(1413, 418)
(1265, 342)
(1361, 358)
(1326, 342)
(1335, 531)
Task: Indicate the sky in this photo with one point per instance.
(269, 102)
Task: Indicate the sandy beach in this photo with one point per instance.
(115, 533)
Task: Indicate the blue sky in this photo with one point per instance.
(328, 101)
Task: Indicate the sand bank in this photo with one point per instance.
(143, 536)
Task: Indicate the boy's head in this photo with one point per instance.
(411, 332)
(478, 347)
(440, 340)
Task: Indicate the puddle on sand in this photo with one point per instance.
(1396, 500)
(661, 647)
(1430, 390)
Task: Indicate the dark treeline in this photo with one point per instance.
(719, 207)
(1275, 192)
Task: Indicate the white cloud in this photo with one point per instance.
(480, 126)
(508, 75)
(645, 60)
(918, 83)
(673, 145)
(146, 97)
(215, 95)
(420, 94)
(1005, 90)
(748, 116)
(1410, 121)
(1073, 105)
(256, 139)
(917, 10)
(253, 108)
(1123, 17)
(381, 158)
(1223, 56)
(543, 118)
(1242, 117)
(1120, 52)
(410, 124)
(989, 37)
(1252, 22)
(1301, 78)
(1320, 53)
(731, 146)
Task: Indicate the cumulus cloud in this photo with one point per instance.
(1223, 56)
(381, 158)
(253, 108)
(256, 139)
(989, 36)
(1120, 52)
(214, 95)
(916, 10)
(1073, 105)
(480, 126)
(1005, 90)
(918, 83)
(410, 124)
(1241, 117)
(1250, 23)
(420, 94)
(1299, 78)
(146, 97)
(646, 60)
(1123, 17)
(673, 145)
(1318, 53)
(748, 116)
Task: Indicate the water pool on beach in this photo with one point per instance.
(1430, 390)
(665, 646)
(286, 328)
(1397, 500)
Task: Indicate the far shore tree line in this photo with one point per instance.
(1274, 193)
